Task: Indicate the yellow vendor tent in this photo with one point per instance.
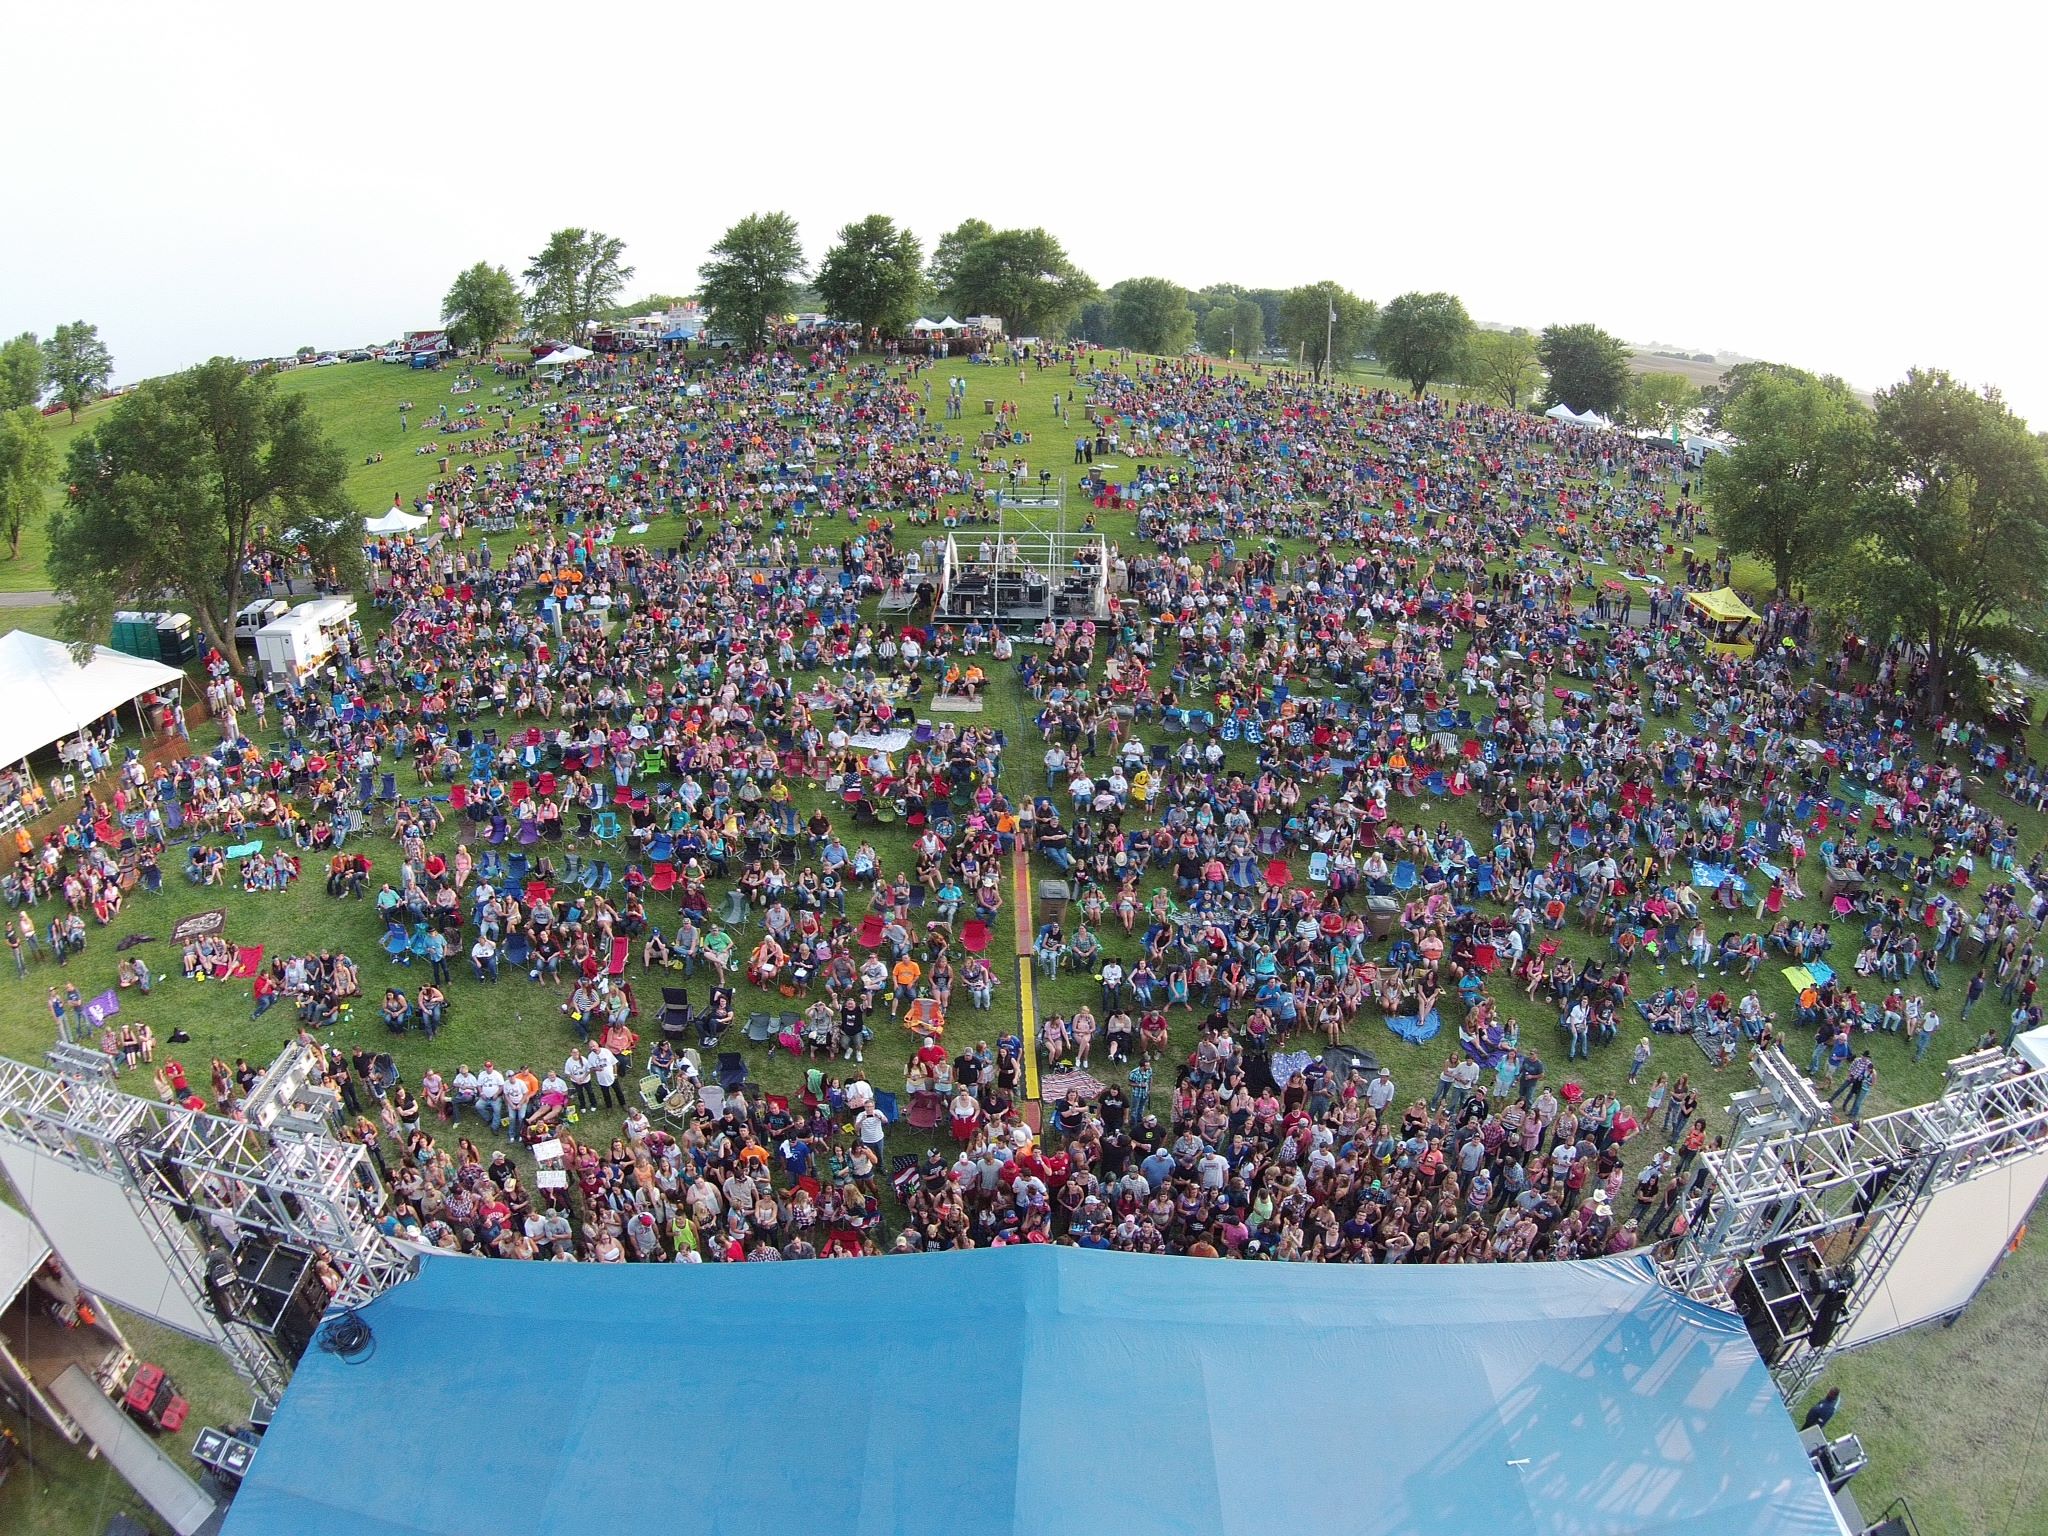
(1723, 605)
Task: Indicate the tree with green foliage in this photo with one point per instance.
(1204, 302)
(1306, 330)
(1786, 490)
(22, 376)
(1951, 552)
(1717, 398)
(1151, 314)
(1588, 368)
(576, 274)
(942, 275)
(480, 308)
(1270, 302)
(181, 483)
(1234, 329)
(1025, 277)
(873, 275)
(1502, 366)
(28, 462)
(1659, 401)
(751, 277)
(1422, 337)
(78, 363)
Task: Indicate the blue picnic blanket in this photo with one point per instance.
(1415, 1031)
(1709, 877)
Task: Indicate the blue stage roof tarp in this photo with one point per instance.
(1036, 1390)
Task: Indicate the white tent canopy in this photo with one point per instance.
(1563, 412)
(49, 696)
(563, 355)
(921, 325)
(395, 521)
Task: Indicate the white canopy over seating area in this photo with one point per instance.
(395, 521)
(49, 696)
(563, 355)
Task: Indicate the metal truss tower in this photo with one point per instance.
(278, 1175)
(1855, 1191)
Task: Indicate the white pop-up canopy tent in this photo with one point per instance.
(563, 355)
(49, 696)
(1563, 412)
(395, 521)
(920, 325)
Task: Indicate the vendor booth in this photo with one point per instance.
(1728, 619)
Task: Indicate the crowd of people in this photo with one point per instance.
(1400, 720)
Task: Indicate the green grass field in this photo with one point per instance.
(1899, 1387)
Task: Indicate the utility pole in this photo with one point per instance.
(1330, 340)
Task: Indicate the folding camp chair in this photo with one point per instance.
(675, 1011)
(732, 1071)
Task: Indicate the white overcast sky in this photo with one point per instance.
(1854, 188)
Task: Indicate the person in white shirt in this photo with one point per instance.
(490, 1096)
(1379, 1093)
(860, 1093)
(872, 1128)
(577, 1070)
(604, 1071)
(516, 1099)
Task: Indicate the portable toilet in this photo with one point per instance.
(135, 635)
(175, 645)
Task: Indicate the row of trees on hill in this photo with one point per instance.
(877, 275)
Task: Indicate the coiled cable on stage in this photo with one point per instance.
(348, 1336)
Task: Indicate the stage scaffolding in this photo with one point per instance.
(1815, 1211)
(1023, 571)
(278, 1179)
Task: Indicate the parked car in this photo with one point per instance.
(326, 362)
(357, 356)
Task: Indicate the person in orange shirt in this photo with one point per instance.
(905, 975)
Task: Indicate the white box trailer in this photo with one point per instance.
(289, 649)
(43, 1329)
